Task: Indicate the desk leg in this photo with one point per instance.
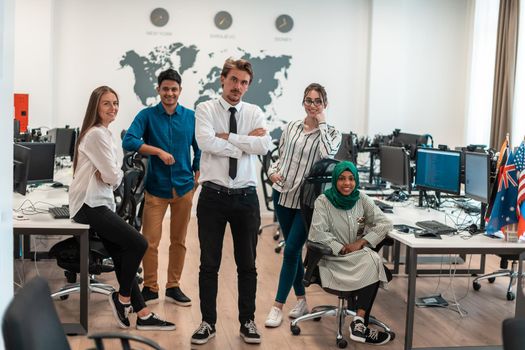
(397, 252)
(84, 279)
(411, 296)
(520, 298)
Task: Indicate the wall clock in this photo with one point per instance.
(159, 17)
(284, 23)
(223, 20)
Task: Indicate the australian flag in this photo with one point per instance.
(505, 204)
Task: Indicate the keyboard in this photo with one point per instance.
(385, 208)
(436, 227)
(59, 212)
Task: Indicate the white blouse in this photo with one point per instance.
(96, 151)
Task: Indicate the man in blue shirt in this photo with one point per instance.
(166, 132)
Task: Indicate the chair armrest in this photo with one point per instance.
(314, 254)
(124, 340)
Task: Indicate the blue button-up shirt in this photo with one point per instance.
(174, 134)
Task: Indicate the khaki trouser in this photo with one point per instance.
(154, 210)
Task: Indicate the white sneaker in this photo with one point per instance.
(275, 317)
(299, 309)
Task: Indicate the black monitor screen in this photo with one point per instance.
(477, 173)
(395, 165)
(21, 163)
(438, 170)
(64, 140)
(42, 164)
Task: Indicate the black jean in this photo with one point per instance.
(214, 210)
(125, 245)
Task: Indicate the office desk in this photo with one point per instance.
(479, 244)
(409, 215)
(45, 224)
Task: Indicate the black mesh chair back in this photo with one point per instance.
(513, 334)
(316, 182)
(31, 321)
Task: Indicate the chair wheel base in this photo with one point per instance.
(317, 319)
(64, 297)
(491, 280)
(511, 296)
(392, 335)
(341, 343)
(277, 250)
(476, 285)
(295, 330)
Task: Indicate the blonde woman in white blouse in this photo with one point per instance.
(96, 173)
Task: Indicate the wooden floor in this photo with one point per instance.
(480, 324)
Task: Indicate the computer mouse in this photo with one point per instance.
(57, 184)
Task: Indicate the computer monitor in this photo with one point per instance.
(409, 141)
(395, 165)
(347, 150)
(21, 163)
(477, 176)
(64, 139)
(438, 170)
(42, 163)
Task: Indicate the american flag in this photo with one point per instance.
(519, 159)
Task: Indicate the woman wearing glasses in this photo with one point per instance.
(302, 143)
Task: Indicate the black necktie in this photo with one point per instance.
(233, 129)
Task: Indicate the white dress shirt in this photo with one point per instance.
(96, 151)
(213, 117)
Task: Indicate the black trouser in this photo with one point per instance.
(214, 209)
(364, 298)
(125, 245)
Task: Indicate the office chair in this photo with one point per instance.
(266, 161)
(315, 183)
(513, 332)
(31, 323)
(504, 272)
(67, 252)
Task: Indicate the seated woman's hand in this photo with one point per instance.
(352, 247)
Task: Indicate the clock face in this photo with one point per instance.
(284, 23)
(159, 17)
(223, 20)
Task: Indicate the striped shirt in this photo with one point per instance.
(336, 227)
(298, 151)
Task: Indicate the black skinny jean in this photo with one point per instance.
(214, 210)
(125, 245)
(364, 299)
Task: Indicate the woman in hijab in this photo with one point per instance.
(348, 221)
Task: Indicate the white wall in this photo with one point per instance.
(6, 153)
(418, 66)
(87, 39)
(385, 63)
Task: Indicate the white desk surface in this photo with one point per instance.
(43, 198)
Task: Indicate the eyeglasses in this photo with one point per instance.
(317, 102)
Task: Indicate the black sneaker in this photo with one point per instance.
(358, 331)
(204, 333)
(120, 311)
(154, 323)
(150, 297)
(249, 333)
(175, 295)
(375, 337)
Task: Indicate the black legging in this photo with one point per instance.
(364, 299)
(125, 245)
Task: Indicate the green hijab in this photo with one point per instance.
(334, 196)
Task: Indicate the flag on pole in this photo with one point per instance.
(502, 159)
(520, 168)
(504, 205)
